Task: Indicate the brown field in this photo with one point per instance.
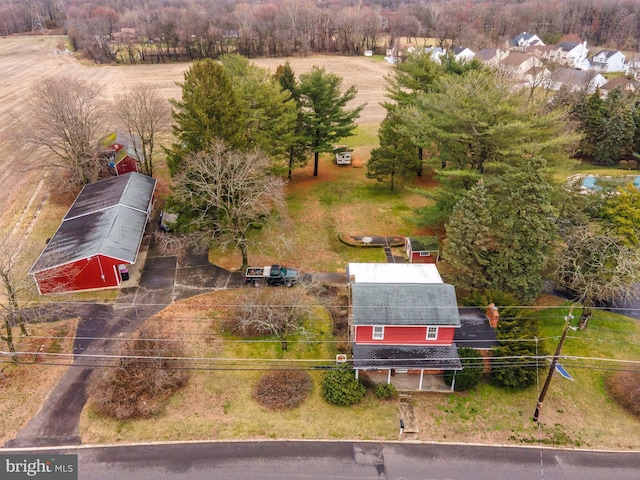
(26, 60)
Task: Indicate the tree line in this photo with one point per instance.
(171, 30)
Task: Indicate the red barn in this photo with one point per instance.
(119, 148)
(126, 161)
(98, 237)
(422, 249)
(403, 320)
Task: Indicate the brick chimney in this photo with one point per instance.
(493, 315)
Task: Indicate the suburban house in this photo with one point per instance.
(463, 54)
(623, 83)
(403, 320)
(572, 54)
(491, 56)
(575, 80)
(517, 64)
(99, 236)
(435, 52)
(422, 249)
(608, 61)
(525, 40)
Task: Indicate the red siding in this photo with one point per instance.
(126, 165)
(416, 258)
(83, 274)
(404, 335)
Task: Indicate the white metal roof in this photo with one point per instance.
(393, 273)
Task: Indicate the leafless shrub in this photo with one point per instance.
(283, 389)
(141, 381)
(624, 387)
(276, 312)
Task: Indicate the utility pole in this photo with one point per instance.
(552, 369)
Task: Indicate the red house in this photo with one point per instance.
(400, 327)
(422, 249)
(98, 237)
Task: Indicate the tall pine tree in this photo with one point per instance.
(208, 109)
(394, 160)
(468, 235)
(325, 116)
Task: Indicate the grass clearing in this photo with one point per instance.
(217, 402)
(341, 200)
(574, 414)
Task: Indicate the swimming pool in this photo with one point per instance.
(591, 181)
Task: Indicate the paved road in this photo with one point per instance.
(348, 460)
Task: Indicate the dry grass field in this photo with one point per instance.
(26, 60)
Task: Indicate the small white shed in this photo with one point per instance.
(343, 155)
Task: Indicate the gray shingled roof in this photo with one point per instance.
(431, 357)
(108, 218)
(567, 46)
(404, 304)
(132, 190)
(475, 331)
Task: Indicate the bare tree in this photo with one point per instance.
(16, 289)
(274, 312)
(144, 115)
(67, 119)
(597, 267)
(227, 193)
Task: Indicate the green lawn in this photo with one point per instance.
(574, 414)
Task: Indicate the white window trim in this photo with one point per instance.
(380, 335)
(425, 254)
(430, 337)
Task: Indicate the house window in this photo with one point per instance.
(425, 254)
(378, 332)
(432, 333)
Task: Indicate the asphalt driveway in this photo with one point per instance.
(163, 280)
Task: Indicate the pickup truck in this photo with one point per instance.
(271, 275)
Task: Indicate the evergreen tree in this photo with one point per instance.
(616, 138)
(522, 229)
(325, 116)
(269, 112)
(590, 112)
(513, 361)
(208, 109)
(468, 235)
(417, 73)
(477, 119)
(395, 158)
(301, 145)
(608, 125)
